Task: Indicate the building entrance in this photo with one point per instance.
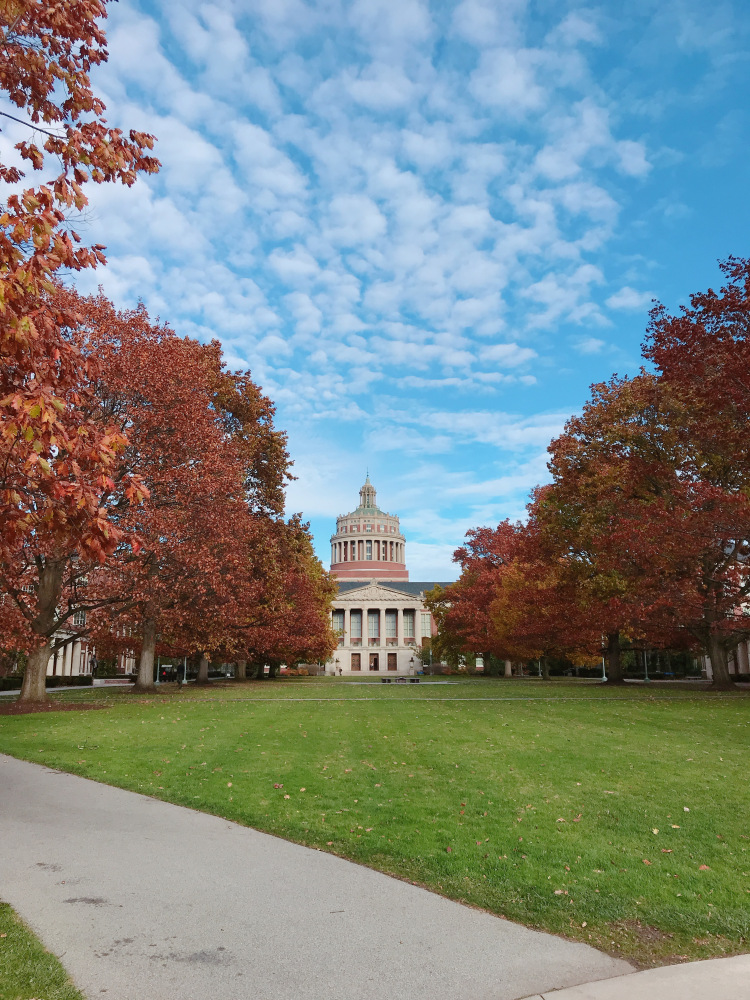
(374, 661)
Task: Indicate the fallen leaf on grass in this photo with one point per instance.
(666, 850)
(287, 796)
(646, 862)
(655, 830)
(703, 868)
(448, 850)
(278, 786)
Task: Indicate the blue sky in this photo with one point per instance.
(426, 227)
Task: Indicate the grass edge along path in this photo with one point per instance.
(539, 812)
(27, 970)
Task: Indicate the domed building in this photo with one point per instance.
(368, 544)
(378, 614)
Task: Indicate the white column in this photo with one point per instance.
(400, 638)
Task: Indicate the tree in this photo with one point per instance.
(703, 358)
(53, 463)
(161, 390)
(462, 609)
(651, 526)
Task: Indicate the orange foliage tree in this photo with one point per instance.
(53, 465)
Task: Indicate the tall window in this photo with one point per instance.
(426, 624)
(409, 624)
(391, 624)
(338, 621)
(369, 549)
(79, 618)
(355, 624)
(373, 625)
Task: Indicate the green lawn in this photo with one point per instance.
(619, 818)
(26, 970)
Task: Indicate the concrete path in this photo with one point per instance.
(144, 899)
(720, 979)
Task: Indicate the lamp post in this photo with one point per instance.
(604, 672)
(645, 666)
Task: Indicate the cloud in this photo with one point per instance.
(629, 298)
(589, 345)
(401, 217)
(507, 79)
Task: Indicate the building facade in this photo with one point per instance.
(378, 614)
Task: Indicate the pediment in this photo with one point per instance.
(376, 593)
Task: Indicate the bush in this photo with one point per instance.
(106, 668)
(14, 682)
(82, 680)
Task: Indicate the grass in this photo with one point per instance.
(617, 818)
(27, 970)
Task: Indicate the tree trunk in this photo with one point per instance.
(273, 669)
(202, 677)
(241, 672)
(545, 668)
(508, 668)
(722, 679)
(145, 679)
(34, 687)
(614, 661)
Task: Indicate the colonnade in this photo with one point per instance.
(368, 550)
(377, 626)
(70, 660)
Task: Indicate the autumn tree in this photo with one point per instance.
(653, 534)
(463, 609)
(161, 391)
(53, 464)
(288, 618)
(702, 355)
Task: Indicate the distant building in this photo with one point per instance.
(378, 614)
(368, 544)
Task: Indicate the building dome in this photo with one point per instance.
(368, 544)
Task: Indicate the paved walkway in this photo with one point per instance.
(142, 898)
(145, 899)
(721, 979)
